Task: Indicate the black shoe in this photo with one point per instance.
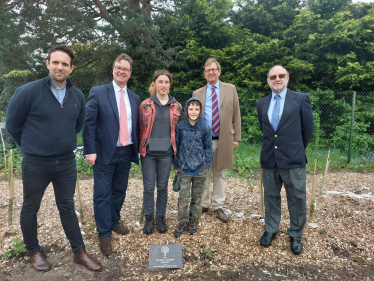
(296, 246)
(180, 229)
(161, 225)
(149, 224)
(192, 228)
(266, 239)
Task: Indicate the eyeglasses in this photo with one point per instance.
(209, 70)
(118, 68)
(281, 76)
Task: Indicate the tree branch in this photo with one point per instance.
(103, 11)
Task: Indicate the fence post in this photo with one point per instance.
(352, 123)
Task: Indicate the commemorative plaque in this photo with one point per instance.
(165, 256)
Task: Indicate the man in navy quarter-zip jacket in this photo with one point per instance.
(44, 117)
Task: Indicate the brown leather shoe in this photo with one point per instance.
(39, 262)
(120, 229)
(204, 210)
(89, 262)
(221, 215)
(106, 246)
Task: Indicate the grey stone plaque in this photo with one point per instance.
(165, 256)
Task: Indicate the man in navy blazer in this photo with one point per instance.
(111, 110)
(286, 122)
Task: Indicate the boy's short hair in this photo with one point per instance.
(193, 102)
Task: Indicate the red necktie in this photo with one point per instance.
(123, 129)
(215, 112)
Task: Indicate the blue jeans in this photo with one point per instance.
(156, 168)
(36, 176)
(110, 186)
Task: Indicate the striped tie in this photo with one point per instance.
(123, 129)
(215, 112)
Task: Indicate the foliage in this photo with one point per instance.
(324, 44)
(208, 253)
(18, 249)
(359, 260)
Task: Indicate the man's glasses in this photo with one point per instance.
(209, 70)
(281, 76)
(118, 68)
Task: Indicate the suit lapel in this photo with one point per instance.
(112, 99)
(132, 104)
(265, 108)
(222, 93)
(288, 106)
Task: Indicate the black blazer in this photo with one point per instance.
(101, 127)
(286, 146)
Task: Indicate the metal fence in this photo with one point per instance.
(343, 120)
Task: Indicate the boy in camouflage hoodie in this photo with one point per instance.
(196, 164)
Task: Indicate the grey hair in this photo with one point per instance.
(275, 66)
(211, 60)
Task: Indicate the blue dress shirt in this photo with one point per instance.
(59, 92)
(208, 106)
(272, 103)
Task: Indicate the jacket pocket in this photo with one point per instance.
(295, 154)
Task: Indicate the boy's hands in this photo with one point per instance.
(176, 171)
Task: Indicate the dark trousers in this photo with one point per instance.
(36, 176)
(294, 181)
(156, 168)
(110, 185)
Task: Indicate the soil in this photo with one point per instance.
(340, 248)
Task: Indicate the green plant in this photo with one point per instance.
(18, 249)
(208, 253)
(359, 260)
(91, 226)
(14, 231)
(321, 231)
(312, 207)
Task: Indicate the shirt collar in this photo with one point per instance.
(209, 87)
(54, 86)
(118, 88)
(281, 94)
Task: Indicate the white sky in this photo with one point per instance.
(367, 1)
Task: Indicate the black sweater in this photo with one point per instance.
(42, 127)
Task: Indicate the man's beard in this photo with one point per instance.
(277, 91)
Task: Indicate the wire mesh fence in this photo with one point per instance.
(342, 120)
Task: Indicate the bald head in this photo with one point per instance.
(278, 79)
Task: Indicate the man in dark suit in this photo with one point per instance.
(111, 143)
(286, 122)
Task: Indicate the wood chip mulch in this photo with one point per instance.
(342, 242)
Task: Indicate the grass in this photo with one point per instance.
(246, 161)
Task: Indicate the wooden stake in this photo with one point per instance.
(80, 202)
(141, 214)
(2, 139)
(314, 188)
(201, 206)
(11, 190)
(324, 177)
(262, 207)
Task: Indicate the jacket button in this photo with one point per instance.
(276, 136)
(276, 147)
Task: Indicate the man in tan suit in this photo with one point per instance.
(222, 113)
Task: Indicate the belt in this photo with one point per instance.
(215, 138)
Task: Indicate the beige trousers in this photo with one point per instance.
(218, 183)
